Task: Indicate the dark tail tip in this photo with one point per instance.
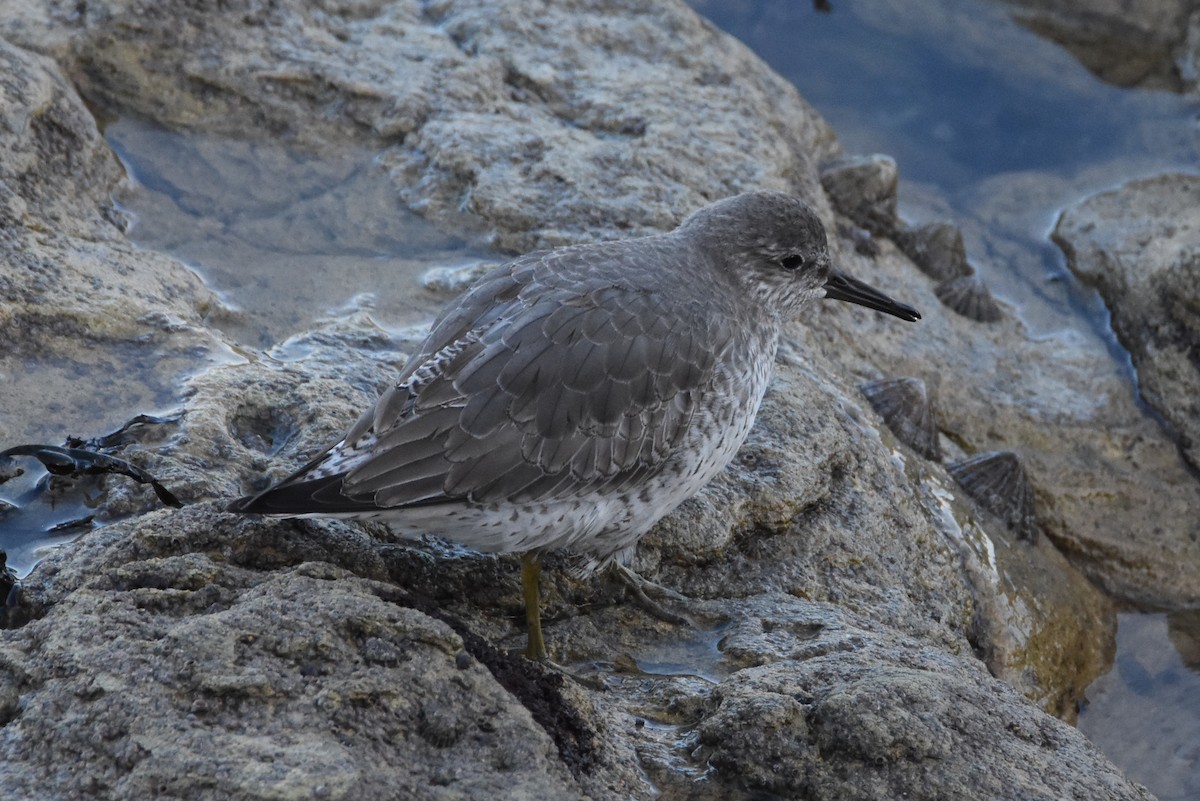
(321, 496)
(244, 505)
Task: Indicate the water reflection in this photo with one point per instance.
(283, 236)
(956, 92)
(1145, 713)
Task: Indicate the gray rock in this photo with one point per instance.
(528, 122)
(1111, 488)
(454, 280)
(1140, 246)
(1146, 44)
(235, 666)
(858, 714)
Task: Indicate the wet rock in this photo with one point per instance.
(451, 281)
(76, 297)
(864, 189)
(1146, 44)
(1140, 246)
(1118, 715)
(1112, 490)
(1050, 651)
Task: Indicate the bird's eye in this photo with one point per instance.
(793, 262)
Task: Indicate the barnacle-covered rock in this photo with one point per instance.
(969, 297)
(905, 405)
(997, 482)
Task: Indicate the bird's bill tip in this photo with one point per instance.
(840, 286)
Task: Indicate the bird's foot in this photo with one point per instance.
(641, 589)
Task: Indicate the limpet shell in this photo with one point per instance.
(969, 297)
(997, 482)
(863, 188)
(905, 406)
(937, 248)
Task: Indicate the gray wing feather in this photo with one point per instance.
(543, 381)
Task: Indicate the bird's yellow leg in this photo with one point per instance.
(531, 575)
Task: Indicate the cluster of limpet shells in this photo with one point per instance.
(864, 190)
(996, 480)
(937, 249)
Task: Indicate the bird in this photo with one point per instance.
(571, 398)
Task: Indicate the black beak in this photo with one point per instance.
(842, 287)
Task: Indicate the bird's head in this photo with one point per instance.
(774, 246)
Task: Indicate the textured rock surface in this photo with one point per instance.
(1110, 486)
(859, 715)
(75, 297)
(1140, 246)
(539, 121)
(274, 640)
(235, 666)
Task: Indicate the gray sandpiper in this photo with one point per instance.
(571, 398)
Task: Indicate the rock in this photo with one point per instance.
(1147, 44)
(75, 296)
(304, 679)
(1140, 246)
(527, 122)
(453, 281)
(854, 714)
(1111, 489)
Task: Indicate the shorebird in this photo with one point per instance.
(571, 398)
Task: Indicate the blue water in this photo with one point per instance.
(284, 236)
(954, 112)
(1144, 713)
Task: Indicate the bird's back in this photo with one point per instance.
(569, 399)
